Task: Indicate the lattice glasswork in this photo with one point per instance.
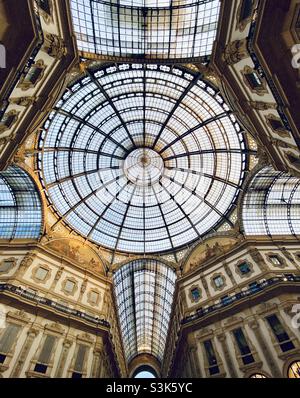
(20, 206)
(272, 204)
(146, 29)
(142, 158)
(144, 292)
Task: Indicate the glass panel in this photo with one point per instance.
(243, 346)
(44, 4)
(211, 358)
(275, 260)
(254, 80)
(196, 294)
(2, 358)
(40, 368)
(219, 281)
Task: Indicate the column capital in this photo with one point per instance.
(67, 343)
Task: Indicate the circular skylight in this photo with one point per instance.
(143, 166)
(142, 158)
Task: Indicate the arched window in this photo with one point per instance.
(271, 205)
(294, 370)
(20, 206)
(144, 372)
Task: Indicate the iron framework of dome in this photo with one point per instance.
(142, 158)
(146, 29)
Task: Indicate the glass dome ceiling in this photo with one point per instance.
(146, 29)
(142, 158)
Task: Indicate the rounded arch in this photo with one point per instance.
(144, 369)
(291, 367)
(144, 290)
(21, 212)
(144, 362)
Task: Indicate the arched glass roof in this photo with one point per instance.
(271, 205)
(20, 206)
(146, 29)
(142, 158)
(144, 292)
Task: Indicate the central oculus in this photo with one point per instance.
(143, 167)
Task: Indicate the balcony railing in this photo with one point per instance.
(50, 303)
(241, 295)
